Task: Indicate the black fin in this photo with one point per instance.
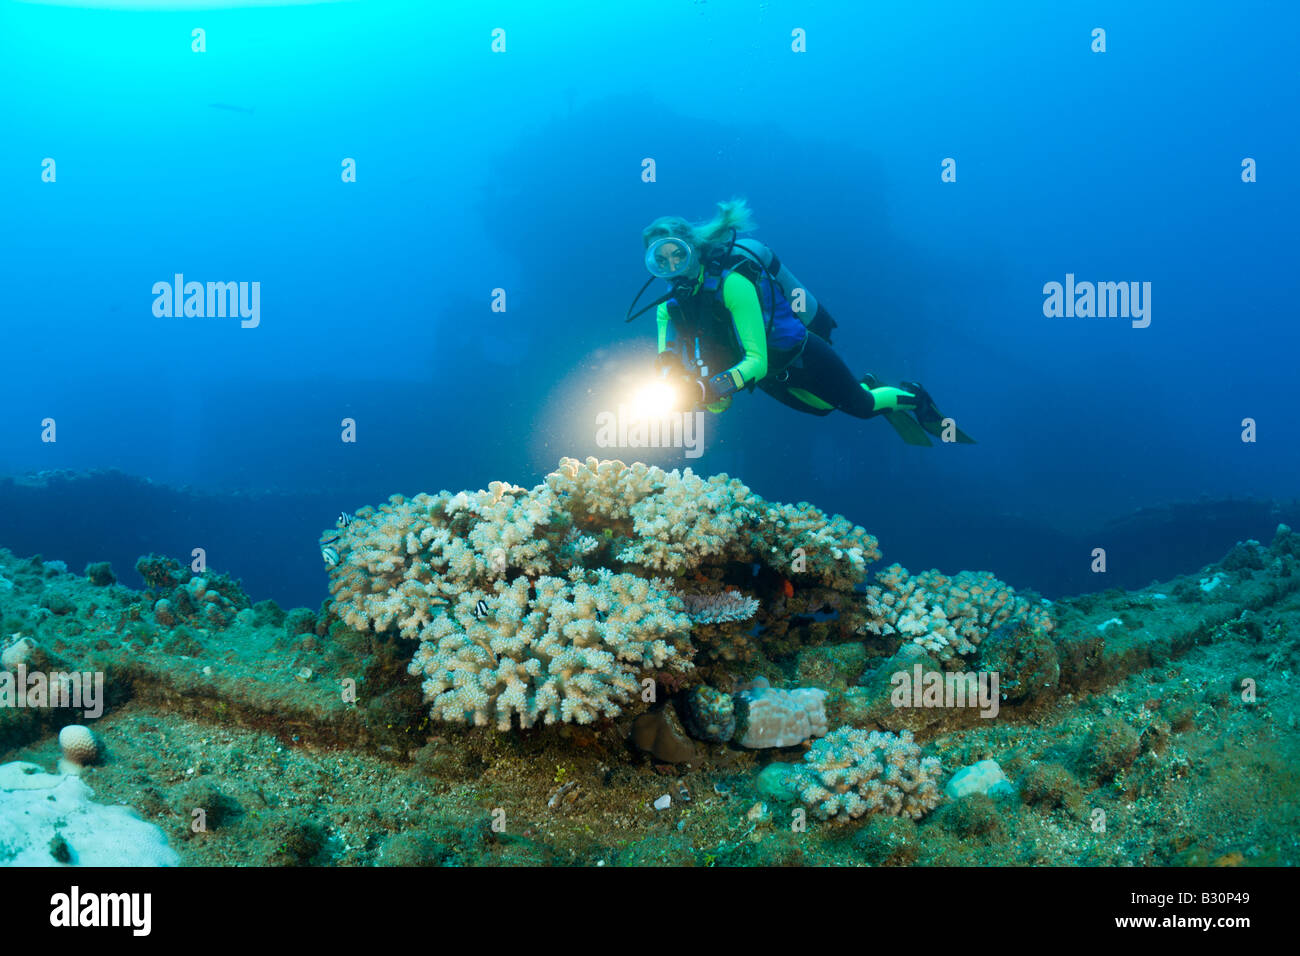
(908, 428)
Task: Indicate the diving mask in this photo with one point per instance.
(671, 258)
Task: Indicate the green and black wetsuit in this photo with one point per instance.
(742, 322)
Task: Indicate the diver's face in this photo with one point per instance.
(671, 257)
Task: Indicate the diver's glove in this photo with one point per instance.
(714, 390)
(704, 395)
(713, 393)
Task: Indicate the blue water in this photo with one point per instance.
(522, 170)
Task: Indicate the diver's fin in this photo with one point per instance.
(935, 428)
(908, 428)
(929, 416)
(962, 437)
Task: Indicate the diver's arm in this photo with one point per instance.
(741, 299)
(661, 319)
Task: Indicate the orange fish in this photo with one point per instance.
(787, 588)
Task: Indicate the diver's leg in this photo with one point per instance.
(781, 392)
(821, 375)
(925, 415)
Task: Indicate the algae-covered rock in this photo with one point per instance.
(57, 602)
(293, 840)
(300, 620)
(778, 782)
(872, 702)
(856, 707)
(887, 841)
(163, 613)
(976, 816)
(268, 614)
(182, 642)
(413, 848)
(1285, 542)
(101, 574)
(832, 666)
(1079, 654)
(1026, 662)
(217, 808)
(1245, 555)
(1051, 786)
(160, 573)
(1109, 749)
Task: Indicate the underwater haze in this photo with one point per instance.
(267, 265)
(522, 171)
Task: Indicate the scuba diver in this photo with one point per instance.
(737, 318)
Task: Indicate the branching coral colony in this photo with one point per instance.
(552, 604)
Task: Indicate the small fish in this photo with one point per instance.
(481, 609)
(787, 588)
(344, 519)
(330, 555)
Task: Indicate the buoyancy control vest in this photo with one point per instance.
(703, 324)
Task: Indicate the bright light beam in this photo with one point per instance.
(656, 399)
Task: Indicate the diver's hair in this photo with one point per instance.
(708, 238)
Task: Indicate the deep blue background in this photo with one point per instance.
(522, 171)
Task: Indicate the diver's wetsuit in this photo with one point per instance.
(743, 321)
(818, 382)
(803, 372)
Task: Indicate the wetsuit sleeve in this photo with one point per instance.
(661, 319)
(741, 299)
